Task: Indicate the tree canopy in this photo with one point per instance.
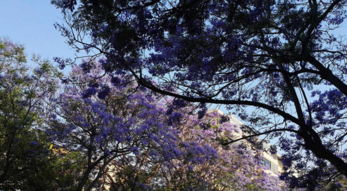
(26, 160)
(279, 57)
(132, 138)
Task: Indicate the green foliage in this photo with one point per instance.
(59, 173)
(26, 162)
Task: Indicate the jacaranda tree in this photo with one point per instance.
(279, 58)
(229, 168)
(114, 127)
(238, 167)
(133, 139)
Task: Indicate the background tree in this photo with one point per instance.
(237, 167)
(24, 148)
(271, 56)
(59, 173)
(230, 168)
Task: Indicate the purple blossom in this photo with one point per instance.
(34, 143)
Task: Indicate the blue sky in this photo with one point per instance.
(30, 22)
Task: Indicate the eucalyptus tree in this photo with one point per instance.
(280, 58)
(24, 148)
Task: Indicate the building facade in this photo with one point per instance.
(271, 158)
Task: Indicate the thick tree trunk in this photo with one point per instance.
(84, 179)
